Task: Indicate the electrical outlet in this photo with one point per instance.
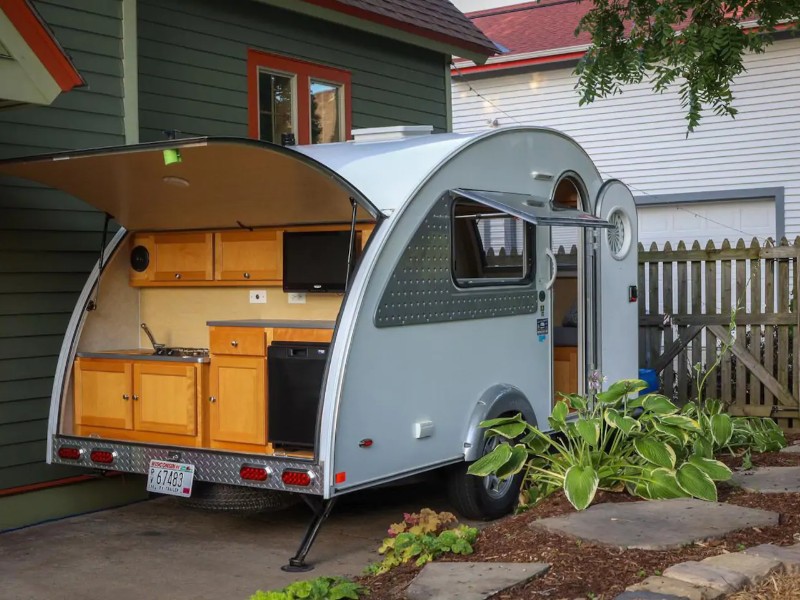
(258, 296)
(297, 298)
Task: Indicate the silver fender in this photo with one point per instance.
(498, 400)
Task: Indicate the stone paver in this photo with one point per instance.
(793, 449)
(674, 587)
(789, 556)
(703, 575)
(768, 480)
(754, 568)
(470, 581)
(657, 524)
(645, 595)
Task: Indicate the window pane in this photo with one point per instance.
(326, 125)
(276, 106)
(489, 247)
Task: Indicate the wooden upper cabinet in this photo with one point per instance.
(183, 257)
(165, 397)
(249, 256)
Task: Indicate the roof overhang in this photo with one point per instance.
(199, 184)
(523, 59)
(364, 20)
(33, 67)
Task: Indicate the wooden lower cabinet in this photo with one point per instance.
(238, 402)
(565, 370)
(140, 400)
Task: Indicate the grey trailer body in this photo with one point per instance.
(420, 355)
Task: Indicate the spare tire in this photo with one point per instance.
(222, 497)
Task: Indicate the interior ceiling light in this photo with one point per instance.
(176, 181)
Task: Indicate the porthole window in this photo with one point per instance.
(619, 236)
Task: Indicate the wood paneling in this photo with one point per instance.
(240, 341)
(182, 257)
(239, 411)
(249, 256)
(301, 335)
(565, 370)
(103, 390)
(165, 398)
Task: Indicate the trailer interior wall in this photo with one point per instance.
(640, 137)
(49, 241)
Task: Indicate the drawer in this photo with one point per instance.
(246, 341)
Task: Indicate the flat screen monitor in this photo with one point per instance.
(315, 261)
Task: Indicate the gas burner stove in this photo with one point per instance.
(185, 352)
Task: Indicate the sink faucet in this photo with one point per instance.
(159, 348)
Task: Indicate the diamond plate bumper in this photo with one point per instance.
(210, 465)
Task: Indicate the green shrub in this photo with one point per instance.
(423, 536)
(321, 588)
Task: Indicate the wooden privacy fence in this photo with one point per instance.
(685, 302)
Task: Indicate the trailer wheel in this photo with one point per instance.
(482, 498)
(221, 497)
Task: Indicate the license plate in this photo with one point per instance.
(171, 478)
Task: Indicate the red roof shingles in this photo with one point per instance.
(534, 26)
(434, 19)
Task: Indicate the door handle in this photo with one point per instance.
(125, 397)
(212, 399)
(552, 258)
(135, 397)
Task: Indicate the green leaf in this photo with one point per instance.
(507, 430)
(716, 470)
(675, 433)
(620, 389)
(501, 421)
(589, 430)
(696, 483)
(519, 454)
(659, 404)
(612, 417)
(490, 463)
(560, 412)
(576, 401)
(721, 429)
(580, 486)
(703, 447)
(663, 485)
(656, 452)
(628, 424)
(681, 421)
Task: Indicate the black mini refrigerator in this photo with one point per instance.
(295, 372)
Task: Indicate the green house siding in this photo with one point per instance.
(193, 67)
(49, 241)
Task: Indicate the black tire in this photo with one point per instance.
(221, 497)
(482, 498)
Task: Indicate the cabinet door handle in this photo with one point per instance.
(135, 397)
(212, 399)
(125, 397)
(234, 343)
(247, 275)
(177, 275)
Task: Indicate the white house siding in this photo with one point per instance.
(640, 137)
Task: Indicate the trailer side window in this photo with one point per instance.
(489, 247)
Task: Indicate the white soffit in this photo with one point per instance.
(23, 76)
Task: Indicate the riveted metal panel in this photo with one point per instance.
(217, 467)
(421, 289)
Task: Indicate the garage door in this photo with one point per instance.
(703, 221)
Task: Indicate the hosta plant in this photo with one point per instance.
(613, 442)
(422, 537)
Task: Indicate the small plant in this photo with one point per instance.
(423, 536)
(321, 588)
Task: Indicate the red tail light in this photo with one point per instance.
(301, 478)
(102, 456)
(253, 473)
(69, 452)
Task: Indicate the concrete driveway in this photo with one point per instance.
(160, 549)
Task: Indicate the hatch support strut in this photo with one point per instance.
(92, 304)
(322, 509)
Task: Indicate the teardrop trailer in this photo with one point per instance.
(442, 304)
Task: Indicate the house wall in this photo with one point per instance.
(640, 137)
(49, 241)
(193, 59)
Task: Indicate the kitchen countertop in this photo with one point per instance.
(264, 323)
(143, 354)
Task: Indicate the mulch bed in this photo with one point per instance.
(585, 569)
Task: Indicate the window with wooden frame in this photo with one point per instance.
(287, 95)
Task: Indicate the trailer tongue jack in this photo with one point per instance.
(322, 509)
